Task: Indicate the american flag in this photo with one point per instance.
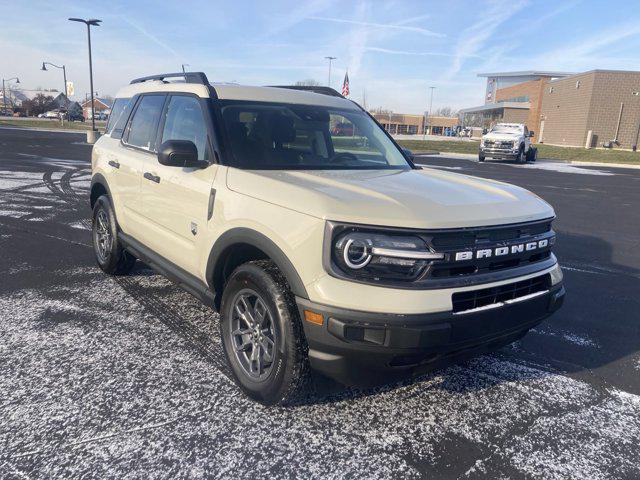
(345, 85)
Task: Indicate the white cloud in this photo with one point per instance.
(383, 26)
(474, 38)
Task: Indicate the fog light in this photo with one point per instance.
(313, 317)
(556, 275)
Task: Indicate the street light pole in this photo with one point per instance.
(430, 106)
(89, 23)
(64, 75)
(331, 59)
(4, 93)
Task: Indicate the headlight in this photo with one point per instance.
(381, 256)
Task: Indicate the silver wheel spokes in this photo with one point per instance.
(253, 334)
(103, 235)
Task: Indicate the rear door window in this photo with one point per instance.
(184, 121)
(144, 124)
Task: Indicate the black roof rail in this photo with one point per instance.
(308, 88)
(189, 77)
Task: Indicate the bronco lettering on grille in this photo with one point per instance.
(504, 250)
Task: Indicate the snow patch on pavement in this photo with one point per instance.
(563, 168)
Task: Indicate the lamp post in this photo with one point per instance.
(430, 107)
(331, 59)
(4, 93)
(64, 75)
(89, 23)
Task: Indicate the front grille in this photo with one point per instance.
(488, 296)
(498, 144)
(476, 237)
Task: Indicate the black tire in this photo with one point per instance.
(521, 158)
(280, 380)
(532, 154)
(110, 255)
(481, 158)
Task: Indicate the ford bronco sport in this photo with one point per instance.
(508, 141)
(317, 249)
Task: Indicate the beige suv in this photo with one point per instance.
(293, 214)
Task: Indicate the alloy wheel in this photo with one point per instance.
(102, 235)
(253, 334)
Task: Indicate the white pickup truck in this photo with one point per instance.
(508, 141)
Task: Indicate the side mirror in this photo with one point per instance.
(531, 133)
(409, 154)
(179, 153)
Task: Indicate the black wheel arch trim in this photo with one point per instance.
(247, 236)
(99, 179)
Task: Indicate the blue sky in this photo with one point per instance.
(394, 50)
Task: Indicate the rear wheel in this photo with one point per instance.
(109, 253)
(262, 334)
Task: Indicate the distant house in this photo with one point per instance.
(100, 105)
(15, 96)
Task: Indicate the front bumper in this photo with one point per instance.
(354, 346)
(499, 153)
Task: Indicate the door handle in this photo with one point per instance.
(152, 177)
(114, 164)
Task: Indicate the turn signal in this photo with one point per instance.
(313, 317)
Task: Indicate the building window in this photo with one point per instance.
(550, 89)
(402, 129)
(413, 129)
(578, 84)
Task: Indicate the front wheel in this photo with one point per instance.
(521, 158)
(109, 253)
(262, 334)
(532, 154)
(481, 157)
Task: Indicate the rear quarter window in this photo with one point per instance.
(118, 118)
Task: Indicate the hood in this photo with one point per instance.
(502, 136)
(425, 198)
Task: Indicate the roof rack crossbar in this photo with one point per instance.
(189, 77)
(315, 89)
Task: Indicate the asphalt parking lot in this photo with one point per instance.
(124, 377)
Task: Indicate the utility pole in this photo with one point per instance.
(331, 59)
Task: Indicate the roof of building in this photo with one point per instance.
(102, 100)
(588, 72)
(227, 91)
(526, 73)
(497, 106)
(22, 94)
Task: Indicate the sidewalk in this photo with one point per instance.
(474, 157)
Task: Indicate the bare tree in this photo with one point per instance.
(381, 111)
(445, 112)
(309, 82)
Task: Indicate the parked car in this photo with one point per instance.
(50, 114)
(508, 141)
(348, 262)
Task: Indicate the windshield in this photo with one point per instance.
(506, 129)
(304, 137)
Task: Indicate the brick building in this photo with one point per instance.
(514, 97)
(406, 124)
(603, 102)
